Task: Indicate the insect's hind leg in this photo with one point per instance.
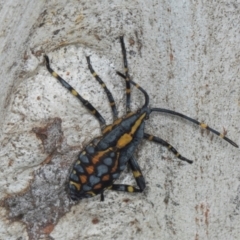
(137, 174)
(87, 104)
(109, 94)
(167, 145)
(124, 188)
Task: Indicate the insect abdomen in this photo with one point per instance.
(93, 172)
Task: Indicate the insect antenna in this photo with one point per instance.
(201, 124)
(138, 87)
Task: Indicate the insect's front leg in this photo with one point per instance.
(86, 103)
(106, 90)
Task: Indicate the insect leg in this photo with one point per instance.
(137, 173)
(138, 177)
(166, 144)
(87, 104)
(109, 95)
(101, 197)
(202, 125)
(124, 188)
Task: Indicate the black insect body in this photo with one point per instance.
(101, 162)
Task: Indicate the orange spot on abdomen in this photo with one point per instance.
(99, 185)
(90, 169)
(83, 178)
(95, 159)
(106, 178)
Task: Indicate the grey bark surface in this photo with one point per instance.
(185, 54)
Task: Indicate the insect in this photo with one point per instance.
(100, 163)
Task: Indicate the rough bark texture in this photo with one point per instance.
(185, 54)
